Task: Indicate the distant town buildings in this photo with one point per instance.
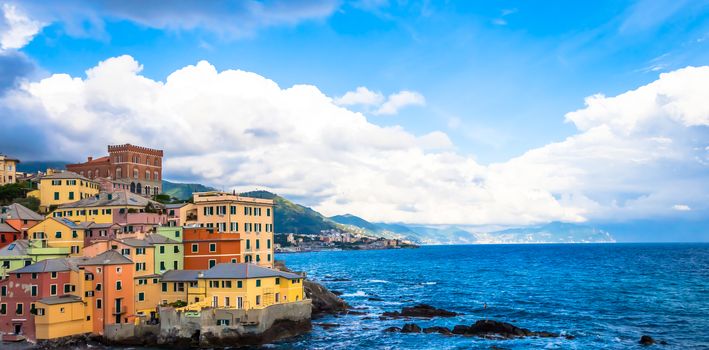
(8, 170)
(135, 167)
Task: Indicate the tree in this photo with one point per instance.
(10, 192)
(31, 203)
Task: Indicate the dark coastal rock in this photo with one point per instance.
(375, 299)
(67, 342)
(411, 328)
(421, 311)
(646, 340)
(392, 330)
(497, 329)
(356, 313)
(437, 329)
(460, 329)
(337, 292)
(326, 325)
(323, 300)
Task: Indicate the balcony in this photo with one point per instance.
(120, 310)
(42, 247)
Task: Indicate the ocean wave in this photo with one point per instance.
(377, 281)
(428, 283)
(358, 293)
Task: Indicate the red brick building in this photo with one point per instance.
(205, 247)
(139, 168)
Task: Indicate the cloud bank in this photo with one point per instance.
(635, 155)
(377, 104)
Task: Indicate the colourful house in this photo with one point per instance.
(62, 316)
(60, 234)
(180, 286)
(121, 207)
(205, 248)
(24, 287)
(246, 286)
(8, 234)
(168, 253)
(20, 218)
(63, 187)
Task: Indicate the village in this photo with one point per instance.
(101, 257)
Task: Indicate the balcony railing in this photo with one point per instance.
(120, 310)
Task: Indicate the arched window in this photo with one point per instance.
(98, 173)
(155, 191)
(147, 174)
(135, 173)
(132, 187)
(119, 173)
(147, 190)
(157, 162)
(156, 177)
(138, 188)
(90, 174)
(147, 160)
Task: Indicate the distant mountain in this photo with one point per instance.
(294, 218)
(352, 220)
(555, 232)
(35, 166)
(183, 191)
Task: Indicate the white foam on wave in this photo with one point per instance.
(358, 293)
(429, 283)
(378, 281)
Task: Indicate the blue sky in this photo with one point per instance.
(498, 76)
(515, 112)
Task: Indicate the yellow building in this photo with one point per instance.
(62, 316)
(245, 286)
(107, 208)
(8, 170)
(59, 233)
(63, 187)
(251, 218)
(147, 296)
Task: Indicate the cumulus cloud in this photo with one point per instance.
(634, 155)
(234, 18)
(681, 207)
(16, 30)
(375, 102)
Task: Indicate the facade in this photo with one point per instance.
(168, 253)
(8, 170)
(180, 286)
(20, 218)
(101, 232)
(64, 235)
(62, 316)
(22, 252)
(205, 248)
(8, 234)
(138, 167)
(251, 219)
(132, 212)
(246, 286)
(23, 288)
(57, 188)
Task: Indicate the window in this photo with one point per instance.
(156, 177)
(164, 287)
(56, 182)
(176, 249)
(141, 296)
(227, 301)
(258, 300)
(269, 257)
(135, 173)
(268, 211)
(119, 285)
(233, 261)
(99, 303)
(258, 283)
(75, 249)
(3, 309)
(278, 280)
(125, 251)
(53, 275)
(140, 251)
(239, 284)
(232, 210)
(248, 244)
(195, 248)
(162, 249)
(147, 175)
(162, 266)
(179, 287)
(19, 310)
(56, 196)
(212, 247)
(212, 262)
(53, 289)
(119, 269)
(268, 243)
(258, 243)
(223, 322)
(58, 234)
(3, 291)
(174, 265)
(71, 195)
(68, 288)
(34, 291)
(98, 287)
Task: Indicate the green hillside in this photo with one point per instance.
(182, 191)
(294, 218)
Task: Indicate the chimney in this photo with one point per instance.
(90, 159)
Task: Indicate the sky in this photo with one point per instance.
(431, 112)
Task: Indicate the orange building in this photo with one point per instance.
(205, 247)
(20, 218)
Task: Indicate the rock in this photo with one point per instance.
(337, 292)
(327, 325)
(460, 329)
(324, 301)
(392, 329)
(646, 340)
(356, 313)
(570, 337)
(411, 328)
(437, 329)
(497, 329)
(375, 299)
(421, 310)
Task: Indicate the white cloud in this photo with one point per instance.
(361, 96)
(399, 100)
(634, 156)
(681, 207)
(16, 29)
(375, 102)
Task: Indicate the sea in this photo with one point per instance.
(604, 295)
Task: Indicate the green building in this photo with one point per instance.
(22, 252)
(168, 252)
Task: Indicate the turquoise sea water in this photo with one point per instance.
(606, 295)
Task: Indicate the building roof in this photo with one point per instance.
(114, 199)
(160, 239)
(65, 175)
(16, 248)
(8, 158)
(109, 257)
(7, 228)
(99, 226)
(180, 276)
(134, 242)
(49, 265)
(62, 299)
(70, 224)
(175, 205)
(19, 211)
(242, 270)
